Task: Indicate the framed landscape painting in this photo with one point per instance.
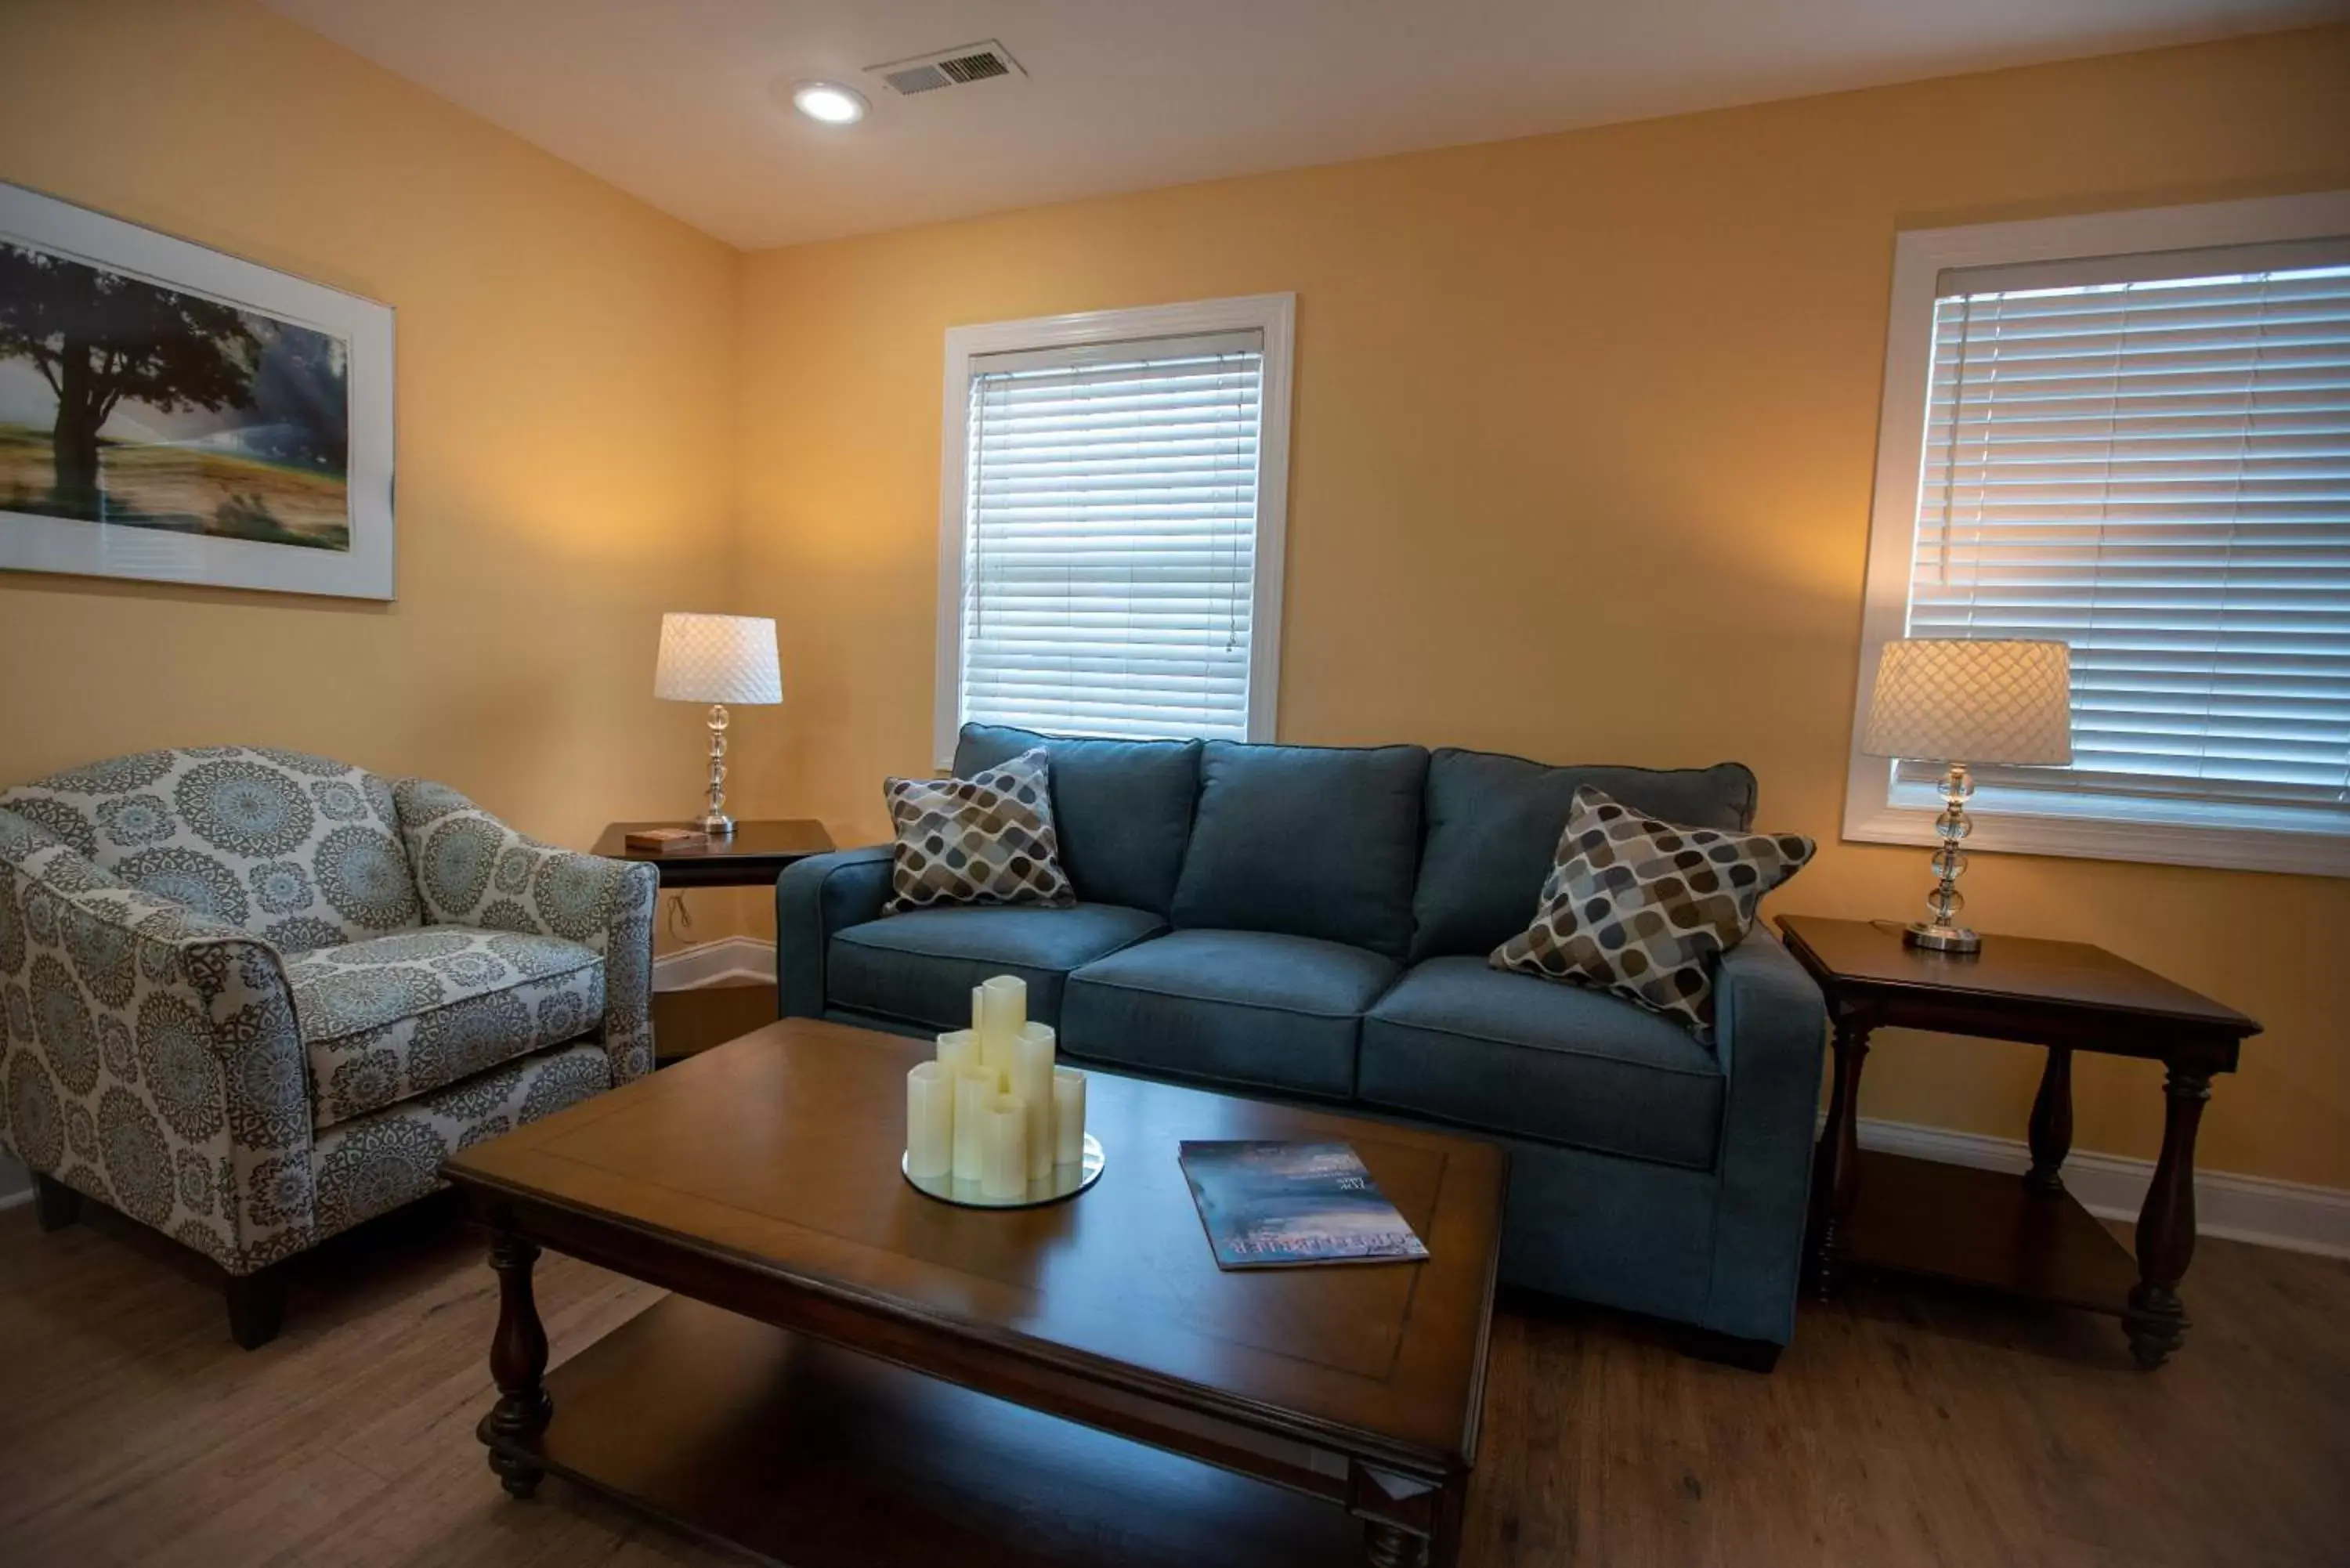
(171, 413)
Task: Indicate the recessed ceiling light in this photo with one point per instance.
(829, 102)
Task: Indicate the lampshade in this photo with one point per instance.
(718, 658)
(1953, 700)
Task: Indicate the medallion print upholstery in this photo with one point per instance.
(280, 886)
(490, 878)
(388, 1020)
(222, 1013)
(1641, 908)
(245, 834)
(248, 808)
(375, 1164)
(986, 839)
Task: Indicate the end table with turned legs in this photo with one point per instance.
(2027, 1236)
(752, 856)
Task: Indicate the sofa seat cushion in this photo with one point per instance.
(389, 1019)
(1233, 1007)
(1565, 1065)
(919, 967)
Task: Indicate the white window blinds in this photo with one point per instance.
(2149, 458)
(1111, 537)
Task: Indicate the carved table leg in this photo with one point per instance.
(517, 1361)
(1836, 1169)
(2051, 1123)
(1409, 1522)
(1388, 1546)
(2156, 1320)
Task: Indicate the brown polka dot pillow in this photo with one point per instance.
(1641, 908)
(986, 839)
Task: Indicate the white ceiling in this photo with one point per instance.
(674, 100)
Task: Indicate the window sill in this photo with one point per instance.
(2014, 832)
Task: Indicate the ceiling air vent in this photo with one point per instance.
(948, 67)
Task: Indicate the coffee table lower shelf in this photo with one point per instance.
(799, 1452)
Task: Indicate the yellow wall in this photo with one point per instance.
(1583, 441)
(564, 442)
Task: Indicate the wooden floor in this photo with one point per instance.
(1905, 1425)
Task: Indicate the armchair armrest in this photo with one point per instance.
(816, 898)
(154, 1061)
(473, 870)
(1771, 1031)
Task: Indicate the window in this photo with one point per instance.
(1111, 518)
(2131, 432)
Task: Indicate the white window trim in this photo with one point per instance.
(1919, 257)
(1274, 314)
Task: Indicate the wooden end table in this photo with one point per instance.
(688, 1021)
(754, 857)
(2029, 1237)
(851, 1373)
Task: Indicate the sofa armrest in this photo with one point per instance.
(1771, 1028)
(168, 1039)
(816, 898)
(473, 870)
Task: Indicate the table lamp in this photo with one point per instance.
(718, 660)
(1956, 701)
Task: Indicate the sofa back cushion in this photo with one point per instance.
(1493, 823)
(1310, 840)
(1121, 809)
(295, 848)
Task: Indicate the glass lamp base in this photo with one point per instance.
(718, 825)
(1941, 938)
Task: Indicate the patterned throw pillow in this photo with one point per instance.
(987, 839)
(1641, 907)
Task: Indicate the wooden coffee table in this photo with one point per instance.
(852, 1373)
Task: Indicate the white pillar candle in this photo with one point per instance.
(957, 1049)
(1008, 1001)
(929, 1121)
(1068, 1116)
(1004, 1170)
(975, 1090)
(1003, 1008)
(1031, 1080)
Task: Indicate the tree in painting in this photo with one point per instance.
(98, 338)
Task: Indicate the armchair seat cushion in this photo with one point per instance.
(1560, 1063)
(919, 967)
(392, 1018)
(1257, 1008)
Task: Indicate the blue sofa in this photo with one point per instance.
(1312, 924)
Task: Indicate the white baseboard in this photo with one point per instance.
(726, 962)
(2268, 1213)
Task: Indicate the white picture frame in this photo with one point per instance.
(50, 535)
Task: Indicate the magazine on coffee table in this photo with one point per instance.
(1269, 1205)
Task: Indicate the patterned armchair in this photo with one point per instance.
(252, 998)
